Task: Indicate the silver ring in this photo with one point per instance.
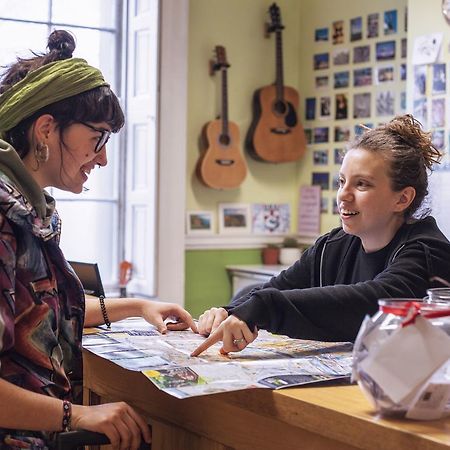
(238, 341)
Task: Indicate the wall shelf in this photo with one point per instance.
(232, 242)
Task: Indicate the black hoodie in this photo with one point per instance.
(319, 298)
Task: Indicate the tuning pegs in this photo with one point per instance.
(267, 30)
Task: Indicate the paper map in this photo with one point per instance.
(271, 361)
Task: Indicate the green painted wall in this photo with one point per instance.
(207, 283)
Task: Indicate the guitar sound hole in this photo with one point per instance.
(280, 107)
(224, 139)
(225, 162)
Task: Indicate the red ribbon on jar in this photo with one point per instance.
(411, 309)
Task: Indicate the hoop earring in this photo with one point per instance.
(41, 153)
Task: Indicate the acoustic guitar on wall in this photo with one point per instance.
(276, 134)
(221, 165)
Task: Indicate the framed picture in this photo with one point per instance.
(270, 218)
(234, 218)
(199, 222)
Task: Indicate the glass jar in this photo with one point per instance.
(438, 295)
(390, 316)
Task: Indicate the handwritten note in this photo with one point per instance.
(426, 48)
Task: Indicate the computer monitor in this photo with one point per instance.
(89, 276)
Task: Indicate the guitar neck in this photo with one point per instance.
(224, 102)
(279, 82)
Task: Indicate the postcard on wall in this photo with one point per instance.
(372, 25)
(321, 34)
(338, 155)
(420, 111)
(385, 50)
(402, 72)
(322, 82)
(335, 181)
(320, 157)
(384, 74)
(321, 179)
(356, 29)
(321, 61)
(341, 109)
(438, 113)
(404, 45)
(385, 103)
(420, 80)
(341, 79)
(390, 22)
(338, 32)
(320, 135)
(271, 218)
(403, 101)
(309, 211)
(341, 134)
(438, 139)
(310, 109)
(325, 107)
(362, 77)
(341, 56)
(361, 54)
(362, 105)
(426, 48)
(308, 135)
(324, 205)
(439, 78)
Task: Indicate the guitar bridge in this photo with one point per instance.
(225, 162)
(280, 130)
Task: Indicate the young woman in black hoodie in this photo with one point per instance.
(386, 247)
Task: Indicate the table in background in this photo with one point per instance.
(309, 418)
(244, 275)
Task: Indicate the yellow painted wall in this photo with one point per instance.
(239, 26)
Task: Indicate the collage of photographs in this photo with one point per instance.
(431, 79)
(355, 68)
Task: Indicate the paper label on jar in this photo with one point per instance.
(408, 357)
(430, 403)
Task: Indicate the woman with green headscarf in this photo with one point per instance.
(56, 116)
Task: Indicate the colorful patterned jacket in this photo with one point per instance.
(41, 301)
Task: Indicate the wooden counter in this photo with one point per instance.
(310, 418)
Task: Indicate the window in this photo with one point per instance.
(92, 217)
(134, 208)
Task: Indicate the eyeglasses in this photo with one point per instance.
(103, 138)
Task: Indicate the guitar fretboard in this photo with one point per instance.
(279, 82)
(224, 102)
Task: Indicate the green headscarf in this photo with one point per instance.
(48, 84)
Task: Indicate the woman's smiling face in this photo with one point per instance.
(72, 158)
(368, 207)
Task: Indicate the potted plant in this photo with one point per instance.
(290, 251)
(270, 254)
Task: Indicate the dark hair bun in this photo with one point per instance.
(62, 43)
